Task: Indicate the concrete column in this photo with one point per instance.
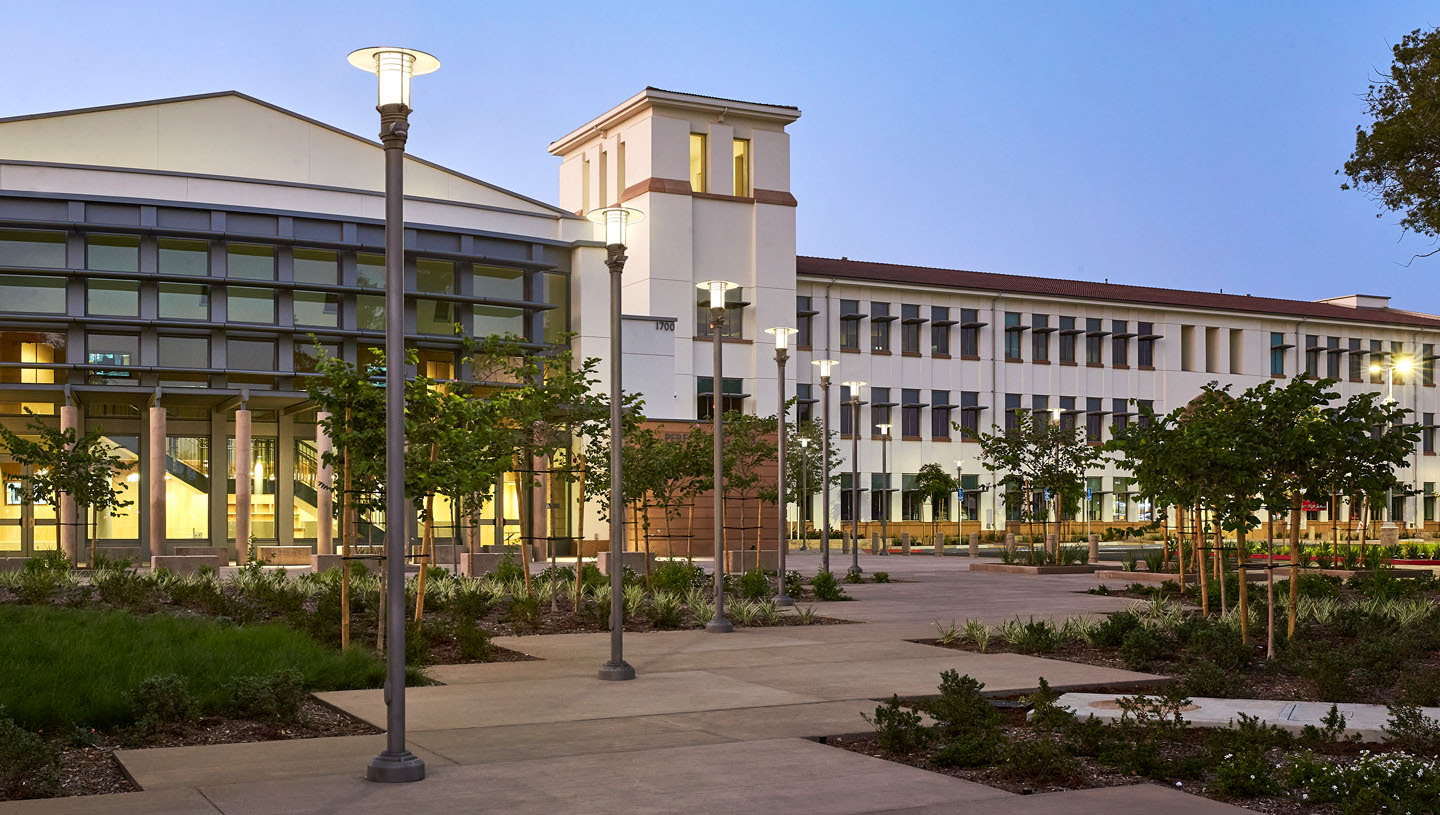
(974, 544)
(1389, 535)
(69, 532)
(904, 543)
(324, 500)
(1010, 542)
(876, 543)
(155, 480)
(1052, 544)
(939, 545)
(243, 475)
(1094, 548)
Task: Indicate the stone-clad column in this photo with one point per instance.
(69, 532)
(243, 475)
(324, 500)
(155, 475)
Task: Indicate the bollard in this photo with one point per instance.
(904, 543)
(974, 544)
(1094, 548)
(1052, 545)
(875, 543)
(939, 543)
(1389, 535)
(1010, 542)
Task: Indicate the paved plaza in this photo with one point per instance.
(714, 723)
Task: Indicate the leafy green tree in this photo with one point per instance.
(804, 464)
(61, 462)
(748, 458)
(355, 399)
(1397, 159)
(936, 484)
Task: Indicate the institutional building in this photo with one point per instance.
(168, 268)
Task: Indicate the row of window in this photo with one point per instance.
(1356, 359)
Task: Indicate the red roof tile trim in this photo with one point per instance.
(1085, 290)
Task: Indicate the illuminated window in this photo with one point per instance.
(697, 163)
(187, 487)
(39, 347)
(742, 167)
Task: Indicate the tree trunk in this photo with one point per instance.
(690, 535)
(1294, 567)
(1180, 546)
(1242, 586)
(1200, 564)
(427, 546)
(1219, 560)
(1270, 584)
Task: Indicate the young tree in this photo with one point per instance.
(804, 464)
(64, 463)
(749, 456)
(935, 484)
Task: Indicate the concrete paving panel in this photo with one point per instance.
(169, 767)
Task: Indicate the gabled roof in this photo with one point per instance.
(651, 96)
(1085, 290)
(231, 134)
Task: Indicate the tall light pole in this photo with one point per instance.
(826, 366)
(884, 501)
(617, 221)
(717, 289)
(394, 67)
(959, 505)
(804, 501)
(1404, 365)
(782, 355)
(855, 386)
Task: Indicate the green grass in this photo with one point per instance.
(64, 666)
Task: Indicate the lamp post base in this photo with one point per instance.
(784, 600)
(616, 672)
(395, 768)
(720, 626)
(854, 571)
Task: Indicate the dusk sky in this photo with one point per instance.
(1191, 145)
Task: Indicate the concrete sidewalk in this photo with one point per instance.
(1367, 721)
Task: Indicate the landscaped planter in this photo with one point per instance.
(1159, 577)
(1017, 568)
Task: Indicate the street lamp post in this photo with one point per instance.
(804, 501)
(885, 500)
(959, 505)
(855, 387)
(826, 366)
(717, 289)
(782, 355)
(1403, 364)
(394, 68)
(616, 221)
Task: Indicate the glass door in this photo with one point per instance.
(27, 526)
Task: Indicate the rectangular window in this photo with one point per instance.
(1040, 337)
(912, 502)
(370, 271)
(435, 316)
(1277, 353)
(1120, 343)
(319, 266)
(102, 350)
(556, 321)
(1429, 503)
(742, 167)
(1427, 364)
(306, 356)
(879, 496)
(698, 161)
(969, 415)
(317, 308)
(880, 405)
(1067, 413)
(910, 407)
(910, 329)
(37, 347)
(250, 261)
(804, 322)
(247, 305)
(112, 253)
(732, 396)
(183, 352)
(804, 403)
(1013, 330)
(880, 328)
(1122, 499)
(41, 249)
(498, 282)
(847, 412)
(1145, 345)
(850, 325)
(370, 312)
(1377, 362)
(499, 320)
(1355, 360)
(183, 301)
(1427, 434)
(1067, 340)
(1094, 496)
(939, 331)
(734, 314)
(1040, 408)
(1094, 336)
(1144, 411)
(1332, 357)
(123, 524)
(1012, 411)
(263, 484)
(847, 498)
(1397, 351)
(182, 257)
(970, 506)
(1119, 415)
(940, 415)
(1094, 420)
(250, 355)
(1312, 356)
(112, 298)
(187, 487)
(970, 333)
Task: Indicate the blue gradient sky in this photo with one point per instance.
(1163, 143)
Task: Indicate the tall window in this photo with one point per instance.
(1012, 411)
(912, 502)
(1312, 356)
(804, 403)
(1427, 364)
(910, 406)
(940, 415)
(939, 331)
(847, 498)
(847, 412)
(1013, 331)
(970, 333)
(1277, 353)
(1067, 412)
(187, 488)
(698, 163)
(317, 308)
(969, 415)
(804, 322)
(1332, 357)
(1120, 343)
(1377, 357)
(850, 325)
(1067, 340)
(879, 496)
(1397, 350)
(1094, 420)
(742, 167)
(1119, 415)
(1427, 434)
(880, 328)
(1040, 337)
(1040, 406)
(734, 314)
(1356, 360)
(1145, 345)
(880, 405)
(1094, 335)
(732, 396)
(910, 322)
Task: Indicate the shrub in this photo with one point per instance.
(853, 577)
(508, 570)
(677, 577)
(1205, 678)
(1331, 731)
(524, 612)
(472, 640)
(161, 699)
(666, 611)
(1142, 647)
(277, 695)
(1244, 774)
(1387, 782)
(29, 765)
(972, 748)
(826, 588)
(755, 585)
(1208, 640)
(881, 577)
(1111, 632)
(961, 706)
(1038, 637)
(1046, 712)
(1412, 731)
(794, 583)
(978, 633)
(898, 729)
(1042, 760)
